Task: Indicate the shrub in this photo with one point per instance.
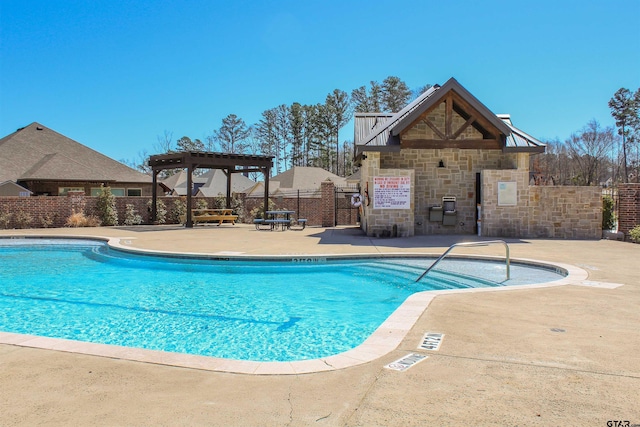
(107, 206)
(5, 219)
(608, 214)
(179, 210)
(23, 219)
(131, 217)
(46, 221)
(201, 204)
(78, 219)
(258, 211)
(634, 233)
(161, 210)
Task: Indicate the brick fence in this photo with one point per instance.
(53, 211)
(628, 207)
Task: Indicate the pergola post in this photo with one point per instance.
(189, 223)
(154, 193)
(266, 171)
(227, 172)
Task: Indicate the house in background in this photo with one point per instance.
(212, 183)
(299, 181)
(47, 163)
(10, 188)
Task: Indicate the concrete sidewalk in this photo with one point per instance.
(567, 355)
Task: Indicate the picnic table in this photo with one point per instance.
(213, 215)
(280, 219)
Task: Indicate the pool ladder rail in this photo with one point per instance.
(487, 243)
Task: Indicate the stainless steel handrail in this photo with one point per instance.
(487, 243)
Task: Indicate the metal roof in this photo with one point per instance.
(379, 131)
(518, 140)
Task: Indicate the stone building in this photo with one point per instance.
(445, 164)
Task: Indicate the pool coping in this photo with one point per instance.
(385, 339)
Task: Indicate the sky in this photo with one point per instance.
(115, 75)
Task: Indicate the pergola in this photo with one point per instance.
(229, 163)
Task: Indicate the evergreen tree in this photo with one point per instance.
(186, 144)
(232, 134)
(338, 113)
(625, 109)
(395, 94)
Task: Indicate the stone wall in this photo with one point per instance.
(628, 207)
(456, 178)
(540, 211)
(385, 222)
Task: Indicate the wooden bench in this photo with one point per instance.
(213, 215)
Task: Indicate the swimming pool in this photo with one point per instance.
(290, 309)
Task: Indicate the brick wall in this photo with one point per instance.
(628, 207)
(53, 211)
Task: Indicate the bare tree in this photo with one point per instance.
(588, 149)
(165, 141)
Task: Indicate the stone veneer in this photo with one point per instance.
(555, 212)
(541, 211)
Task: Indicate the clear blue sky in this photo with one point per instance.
(115, 74)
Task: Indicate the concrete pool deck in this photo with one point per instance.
(566, 355)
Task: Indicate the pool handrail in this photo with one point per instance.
(455, 245)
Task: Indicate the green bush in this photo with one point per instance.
(107, 206)
(161, 210)
(608, 215)
(634, 233)
(179, 211)
(258, 211)
(131, 217)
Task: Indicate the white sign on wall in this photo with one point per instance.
(392, 192)
(507, 193)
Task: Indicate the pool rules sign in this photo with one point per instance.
(391, 192)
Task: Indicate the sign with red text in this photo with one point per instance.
(391, 192)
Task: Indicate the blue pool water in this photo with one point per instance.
(249, 310)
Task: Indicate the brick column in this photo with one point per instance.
(628, 207)
(328, 204)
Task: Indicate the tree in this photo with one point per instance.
(164, 143)
(625, 109)
(266, 133)
(367, 102)
(395, 94)
(588, 149)
(186, 144)
(338, 114)
(232, 134)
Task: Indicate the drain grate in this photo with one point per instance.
(406, 362)
(431, 341)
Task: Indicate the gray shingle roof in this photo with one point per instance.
(36, 152)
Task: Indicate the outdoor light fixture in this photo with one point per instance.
(441, 164)
(364, 157)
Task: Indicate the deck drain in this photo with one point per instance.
(431, 341)
(558, 330)
(406, 362)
